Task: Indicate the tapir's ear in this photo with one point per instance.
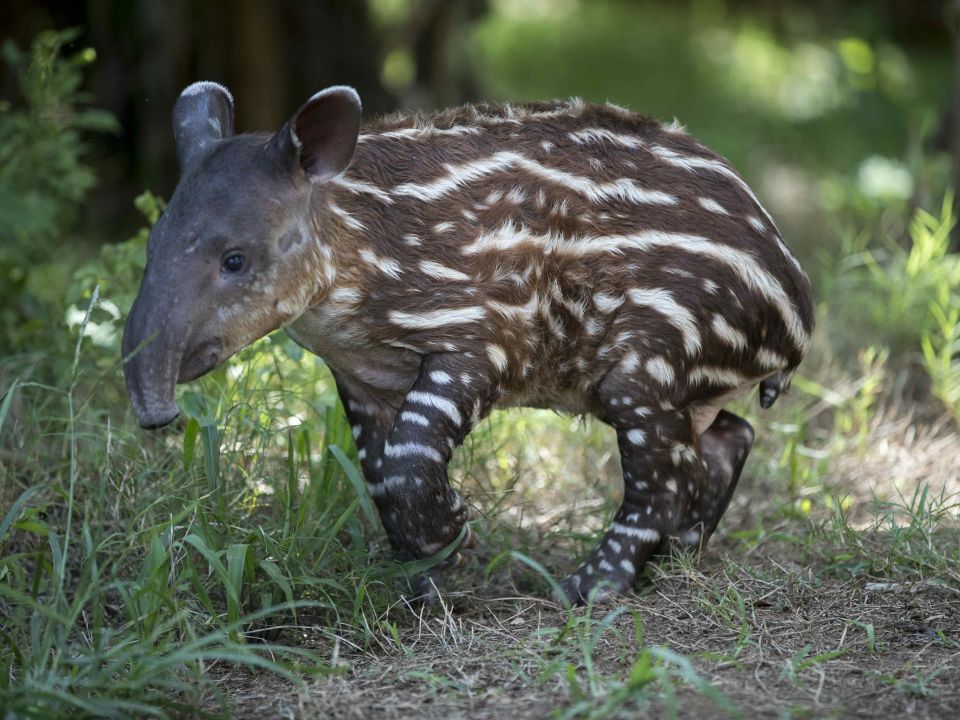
(202, 116)
(322, 135)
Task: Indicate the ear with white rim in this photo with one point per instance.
(202, 117)
(322, 134)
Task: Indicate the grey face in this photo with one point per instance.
(235, 255)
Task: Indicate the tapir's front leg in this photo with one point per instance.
(420, 511)
(371, 418)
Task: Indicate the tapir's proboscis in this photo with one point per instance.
(555, 255)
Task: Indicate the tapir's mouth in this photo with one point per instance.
(200, 361)
(157, 424)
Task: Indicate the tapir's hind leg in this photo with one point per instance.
(662, 472)
(724, 446)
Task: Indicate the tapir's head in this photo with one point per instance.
(238, 252)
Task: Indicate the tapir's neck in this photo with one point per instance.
(345, 244)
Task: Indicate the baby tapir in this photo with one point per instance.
(557, 255)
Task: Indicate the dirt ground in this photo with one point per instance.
(485, 656)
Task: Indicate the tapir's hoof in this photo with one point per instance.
(597, 590)
(424, 590)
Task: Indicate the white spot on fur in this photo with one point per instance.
(347, 218)
(660, 370)
(593, 326)
(412, 449)
(516, 196)
(630, 362)
(769, 360)
(345, 295)
(497, 356)
(717, 376)
(642, 534)
(436, 401)
(712, 205)
(420, 133)
(358, 187)
(441, 272)
(384, 265)
(458, 175)
(523, 313)
(663, 302)
(636, 437)
(607, 303)
(436, 318)
(729, 334)
(597, 135)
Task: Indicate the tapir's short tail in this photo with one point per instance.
(773, 386)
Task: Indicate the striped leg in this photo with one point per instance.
(420, 511)
(662, 471)
(725, 446)
(370, 419)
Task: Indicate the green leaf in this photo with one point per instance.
(5, 407)
(190, 442)
(236, 562)
(359, 484)
(14, 512)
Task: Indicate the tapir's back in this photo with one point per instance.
(560, 238)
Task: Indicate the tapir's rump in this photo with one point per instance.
(565, 255)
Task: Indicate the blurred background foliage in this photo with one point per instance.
(839, 113)
(842, 114)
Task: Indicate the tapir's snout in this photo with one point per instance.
(152, 350)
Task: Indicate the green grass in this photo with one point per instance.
(138, 562)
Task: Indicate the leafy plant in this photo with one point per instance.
(44, 177)
(941, 346)
(896, 285)
(129, 566)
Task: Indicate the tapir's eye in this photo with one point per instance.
(233, 262)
